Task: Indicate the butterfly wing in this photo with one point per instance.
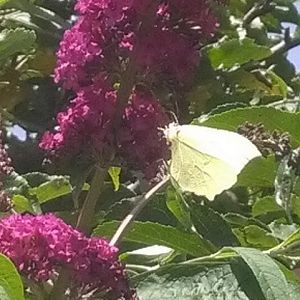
(228, 146)
(206, 161)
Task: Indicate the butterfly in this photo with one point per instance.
(206, 161)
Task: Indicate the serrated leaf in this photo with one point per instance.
(114, 173)
(21, 204)
(234, 52)
(282, 231)
(279, 85)
(14, 41)
(212, 226)
(195, 281)
(255, 237)
(292, 243)
(237, 220)
(265, 167)
(16, 184)
(177, 205)
(156, 234)
(265, 205)
(35, 179)
(249, 81)
(270, 278)
(58, 186)
(270, 117)
(12, 279)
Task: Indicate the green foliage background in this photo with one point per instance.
(241, 246)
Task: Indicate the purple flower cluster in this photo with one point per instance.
(92, 59)
(40, 245)
(109, 31)
(5, 170)
(140, 140)
(86, 124)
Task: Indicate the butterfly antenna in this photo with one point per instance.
(174, 117)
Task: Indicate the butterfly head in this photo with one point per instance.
(171, 131)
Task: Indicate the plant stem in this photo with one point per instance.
(60, 286)
(36, 290)
(220, 255)
(128, 80)
(84, 223)
(257, 10)
(285, 46)
(85, 218)
(126, 223)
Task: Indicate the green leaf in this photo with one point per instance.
(270, 117)
(268, 275)
(234, 52)
(256, 237)
(267, 82)
(191, 281)
(177, 205)
(282, 231)
(156, 234)
(212, 226)
(5, 291)
(16, 184)
(58, 186)
(296, 205)
(290, 246)
(265, 167)
(2, 2)
(279, 85)
(114, 173)
(237, 220)
(265, 205)
(284, 184)
(286, 11)
(10, 276)
(14, 41)
(21, 204)
(151, 255)
(293, 282)
(35, 179)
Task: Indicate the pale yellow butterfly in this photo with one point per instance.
(206, 161)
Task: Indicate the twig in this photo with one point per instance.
(60, 286)
(257, 10)
(129, 76)
(278, 49)
(284, 46)
(35, 289)
(125, 225)
(126, 86)
(84, 223)
(85, 218)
